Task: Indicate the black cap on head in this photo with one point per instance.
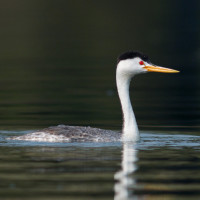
(133, 54)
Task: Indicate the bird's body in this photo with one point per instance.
(129, 65)
(64, 133)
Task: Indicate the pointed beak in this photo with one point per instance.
(152, 68)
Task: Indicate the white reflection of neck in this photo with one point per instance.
(123, 178)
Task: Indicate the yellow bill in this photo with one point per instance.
(160, 69)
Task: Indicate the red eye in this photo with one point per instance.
(141, 62)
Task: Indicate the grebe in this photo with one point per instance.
(129, 64)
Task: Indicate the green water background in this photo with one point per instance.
(58, 61)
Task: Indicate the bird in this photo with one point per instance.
(129, 64)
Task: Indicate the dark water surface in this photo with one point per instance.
(160, 166)
(57, 66)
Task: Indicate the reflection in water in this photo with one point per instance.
(160, 166)
(124, 180)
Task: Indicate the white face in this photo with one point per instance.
(131, 67)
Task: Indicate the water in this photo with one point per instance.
(57, 66)
(159, 166)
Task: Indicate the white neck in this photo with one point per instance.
(130, 128)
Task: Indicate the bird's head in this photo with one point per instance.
(133, 62)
